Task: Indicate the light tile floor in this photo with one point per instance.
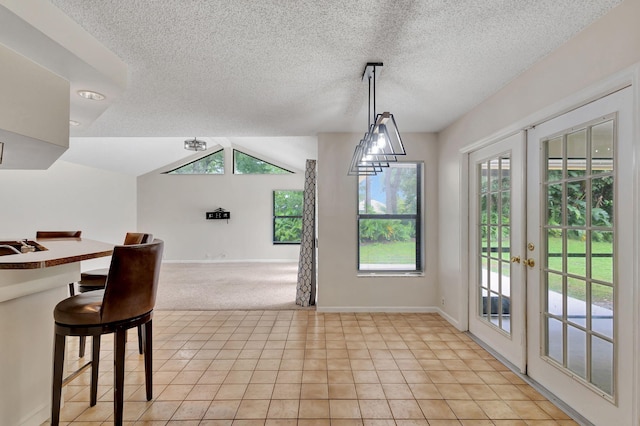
(304, 368)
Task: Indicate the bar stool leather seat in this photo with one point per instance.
(80, 310)
(126, 302)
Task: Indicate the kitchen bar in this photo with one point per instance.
(31, 284)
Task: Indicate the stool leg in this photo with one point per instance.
(140, 340)
(58, 368)
(95, 362)
(83, 345)
(118, 397)
(148, 360)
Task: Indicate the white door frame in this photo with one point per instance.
(626, 77)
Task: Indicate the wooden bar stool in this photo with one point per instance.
(126, 302)
(96, 279)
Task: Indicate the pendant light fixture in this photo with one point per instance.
(195, 145)
(382, 143)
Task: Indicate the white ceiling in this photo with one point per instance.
(274, 68)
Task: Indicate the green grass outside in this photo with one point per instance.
(398, 252)
(601, 269)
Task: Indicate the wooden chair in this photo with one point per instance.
(126, 302)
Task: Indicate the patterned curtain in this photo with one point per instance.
(306, 290)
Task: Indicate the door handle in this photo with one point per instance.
(530, 262)
(515, 259)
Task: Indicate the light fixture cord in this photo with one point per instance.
(369, 111)
(374, 92)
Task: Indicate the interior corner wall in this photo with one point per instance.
(339, 286)
(68, 196)
(173, 208)
(608, 46)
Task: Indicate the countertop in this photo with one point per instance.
(59, 251)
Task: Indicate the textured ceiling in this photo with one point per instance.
(223, 68)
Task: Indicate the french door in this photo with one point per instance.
(497, 304)
(579, 216)
(551, 286)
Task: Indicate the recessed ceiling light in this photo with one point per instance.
(74, 123)
(89, 94)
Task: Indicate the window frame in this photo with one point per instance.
(276, 217)
(417, 216)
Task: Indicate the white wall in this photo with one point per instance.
(609, 45)
(173, 208)
(339, 286)
(67, 196)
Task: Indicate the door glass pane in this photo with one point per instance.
(494, 209)
(554, 158)
(602, 309)
(505, 208)
(505, 173)
(577, 301)
(576, 203)
(554, 204)
(495, 308)
(505, 247)
(577, 254)
(484, 280)
(506, 314)
(494, 277)
(577, 153)
(484, 303)
(554, 248)
(602, 148)
(577, 351)
(602, 201)
(602, 256)
(484, 177)
(494, 240)
(554, 296)
(554, 346)
(483, 209)
(602, 364)
(494, 173)
(579, 235)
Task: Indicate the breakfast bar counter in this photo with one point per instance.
(31, 284)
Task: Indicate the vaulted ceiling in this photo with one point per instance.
(275, 68)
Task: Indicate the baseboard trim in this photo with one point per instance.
(401, 309)
(233, 261)
(450, 320)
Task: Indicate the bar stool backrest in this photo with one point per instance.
(58, 234)
(137, 238)
(132, 282)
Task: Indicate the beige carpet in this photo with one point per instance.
(228, 286)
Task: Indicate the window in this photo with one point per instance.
(212, 164)
(389, 219)
(287, 217)
(245, 164)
